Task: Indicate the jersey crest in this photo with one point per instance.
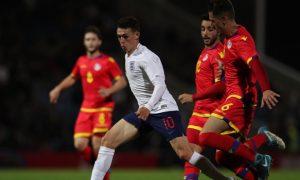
(229, 44)
(97, 67)
(131, 65)
(205, 57)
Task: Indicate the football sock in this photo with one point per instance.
(228, 144)
(86, 154)
(190, 172)
(257, 141)
(206, 166)
(235, 164)
(102, 163)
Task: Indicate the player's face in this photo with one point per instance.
(128, 39)
(91, 42)
(209, 33)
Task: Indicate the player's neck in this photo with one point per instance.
(233, 28)
(93, 55)
(213, 45)
(133, 49)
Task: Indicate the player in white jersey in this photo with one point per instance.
(157, 107)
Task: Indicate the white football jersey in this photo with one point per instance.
(141, 67)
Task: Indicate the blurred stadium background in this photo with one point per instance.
(40, 41)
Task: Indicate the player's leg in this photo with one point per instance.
(191, 172)
(96, 142)
(231, 114)
(82, 135)
(124, 130)
(264, 136)
(211, 137)
(102, 123)
(82, 146)
(196, 123)
(185, 152)
(169, 125)
(236, 164)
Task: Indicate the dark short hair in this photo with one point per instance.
(129, 22)
(221, 7)
(204, 17)
(93, 29)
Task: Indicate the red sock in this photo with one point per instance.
(256, 141)
(189, 169)
(228, 144)
(87, 154)
(235, 164)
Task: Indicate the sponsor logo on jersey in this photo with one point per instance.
(244, 38)
(222, 54)
(82, 66)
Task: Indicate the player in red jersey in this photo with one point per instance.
(100, 77)
(208, 72)
(242, 70)
(209, 91)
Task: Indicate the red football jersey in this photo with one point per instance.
(96, 73)
(209, 70)
(239, 50)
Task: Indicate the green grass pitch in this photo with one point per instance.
(120, 174)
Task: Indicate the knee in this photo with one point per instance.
(80, 145)
(96, 142)
(108, 142)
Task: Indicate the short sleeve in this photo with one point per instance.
(115, 71)
(75, 71)
(246, 49)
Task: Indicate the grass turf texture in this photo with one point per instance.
(120, 174)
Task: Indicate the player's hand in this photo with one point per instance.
(143, 113)
(185, 98)
(104, 92)
(53, 95)
(269, 98)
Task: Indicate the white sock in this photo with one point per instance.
(195, 157)
(206, 166)
(102, 163)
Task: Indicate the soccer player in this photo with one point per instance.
(242, 70)
(208, 72)
(157, 107)
(101, 77)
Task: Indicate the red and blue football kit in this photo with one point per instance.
(96, 112)
(209, 70)
(242, 68)
(241, 95)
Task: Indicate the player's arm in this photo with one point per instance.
(269, 97)
(248, 53)
(115, 73)
(155, 72)
(118, 85)
(64, 84)
(216, 89)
